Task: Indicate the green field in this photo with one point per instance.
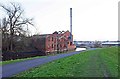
(93, 63)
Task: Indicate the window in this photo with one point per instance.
(68, 42)
(52, 45)
(52, 38)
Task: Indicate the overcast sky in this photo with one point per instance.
(92, 19)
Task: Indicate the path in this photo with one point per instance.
(15, 68)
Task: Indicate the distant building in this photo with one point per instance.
(111, 43)
(52, 43)
(84, 44)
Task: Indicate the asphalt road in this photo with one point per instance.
(10, 70)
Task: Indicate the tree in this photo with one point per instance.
(97, 44)
(5, 33)
(14, 21)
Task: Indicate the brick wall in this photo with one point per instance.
(51, 43)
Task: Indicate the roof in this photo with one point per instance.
(54, 34)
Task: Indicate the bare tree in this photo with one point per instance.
(15, 21)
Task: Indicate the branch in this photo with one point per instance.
(17, 18)
(5, 8)
(25, 22)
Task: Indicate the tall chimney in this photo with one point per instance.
(71, 23)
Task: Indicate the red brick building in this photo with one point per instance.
(53, 43)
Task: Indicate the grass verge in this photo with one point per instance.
(93, 63)
(18, 60)
(23, 59)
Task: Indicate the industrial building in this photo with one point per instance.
(53, 43)
(56, 42)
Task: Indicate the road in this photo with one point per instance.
(10, 70)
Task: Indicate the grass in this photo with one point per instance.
(18, 60)
(93, 63)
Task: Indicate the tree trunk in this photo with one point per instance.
(11, 35)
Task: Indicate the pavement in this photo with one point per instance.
(10, 70)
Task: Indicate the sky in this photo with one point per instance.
(92, 19)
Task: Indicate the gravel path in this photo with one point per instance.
(11, 69)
